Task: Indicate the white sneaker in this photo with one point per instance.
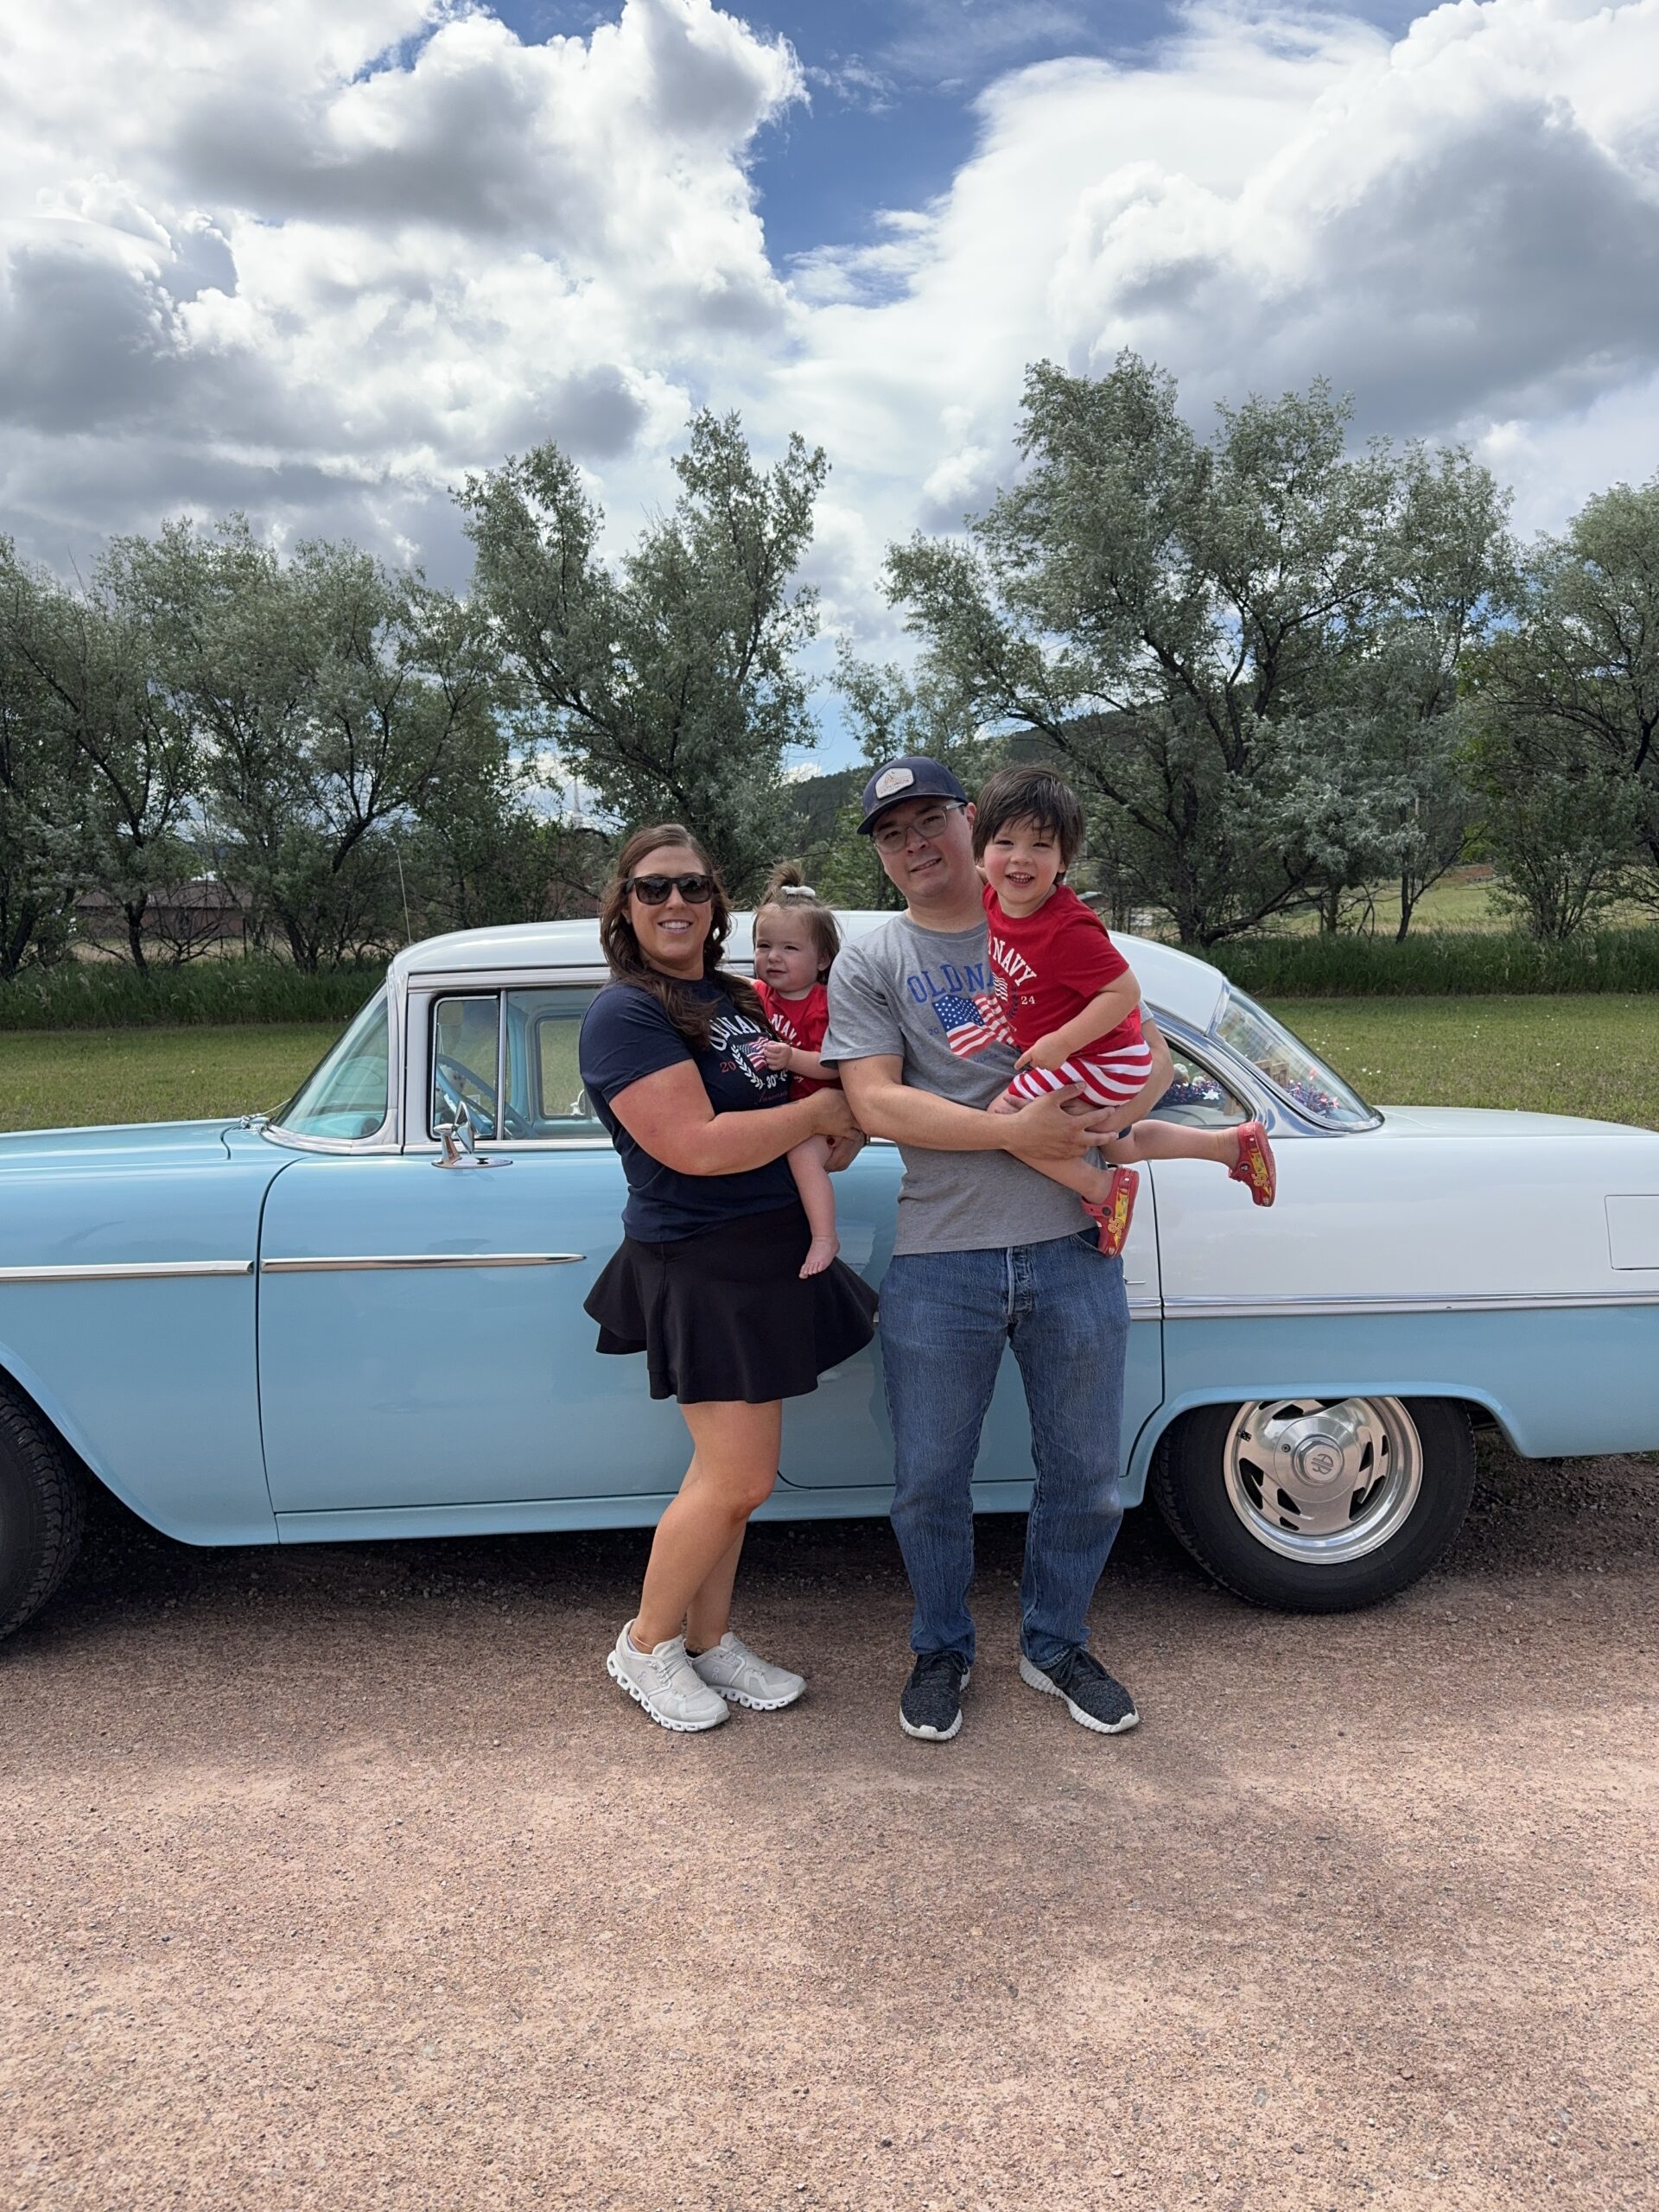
(732, 1670)
(665, 1682)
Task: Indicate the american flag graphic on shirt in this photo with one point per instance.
(971, 1025)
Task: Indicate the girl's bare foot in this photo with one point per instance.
(819, 1253)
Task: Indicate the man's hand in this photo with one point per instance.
(1044, 1132)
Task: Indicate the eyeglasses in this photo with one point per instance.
(654, 890)
(893, 838)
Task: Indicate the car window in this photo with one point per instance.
(1295, 1073)
(1197, 1098)
(466, 1051)
(347, 1096)
(545, 1098)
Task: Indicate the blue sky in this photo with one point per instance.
(892, 84)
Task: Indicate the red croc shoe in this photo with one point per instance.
(1255, 1164)
(1118, 1211)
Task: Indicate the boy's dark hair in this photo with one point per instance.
(1024, 793)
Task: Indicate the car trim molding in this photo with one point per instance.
(129, 1271)
(1275, 1309)
(352, 1263)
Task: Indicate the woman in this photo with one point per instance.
(708, 1282)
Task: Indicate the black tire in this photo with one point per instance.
(1189, 1488)
(42, 1512)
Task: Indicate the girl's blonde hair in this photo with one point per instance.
(787, 891)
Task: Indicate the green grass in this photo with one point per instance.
(1566, 1054)
(55, 1079)
(1563, 1055)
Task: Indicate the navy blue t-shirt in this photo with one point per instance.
(627, 1034)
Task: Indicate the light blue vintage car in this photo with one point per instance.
(362, 1316)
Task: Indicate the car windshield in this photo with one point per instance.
(347, 1096)
(1299, 1076)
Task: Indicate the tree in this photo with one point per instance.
(670, 685)
(89, 655)
(41, 801)
(1189, 625)
(333, 699)
(1569, 691)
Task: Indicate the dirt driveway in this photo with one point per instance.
(345, 1878)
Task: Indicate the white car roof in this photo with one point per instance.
(1173, 982)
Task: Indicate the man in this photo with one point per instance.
(988, 1253)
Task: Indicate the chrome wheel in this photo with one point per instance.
(1321, 1483)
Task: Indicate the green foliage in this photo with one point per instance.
(1567, 707)
(669, 685)
(1441, 962)
(42, 798)
(1227, 640)
(110, 994)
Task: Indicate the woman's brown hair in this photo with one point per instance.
(691, 1015)
(788, 891)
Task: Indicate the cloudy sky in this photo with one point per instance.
(316, 258)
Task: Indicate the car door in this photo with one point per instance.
(422, 1341)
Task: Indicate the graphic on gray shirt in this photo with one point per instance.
(890, 993)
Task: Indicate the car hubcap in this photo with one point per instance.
(1323, 1483)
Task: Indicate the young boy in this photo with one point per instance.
(1067, 998)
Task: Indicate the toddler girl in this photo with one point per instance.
(795, 941)
(1065, 996)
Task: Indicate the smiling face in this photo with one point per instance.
(670, 937)
(934, 873)
(1023, 862)
(787, 956)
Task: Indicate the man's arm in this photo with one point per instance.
(1042, 1134)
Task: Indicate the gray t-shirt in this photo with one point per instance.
(896, 992)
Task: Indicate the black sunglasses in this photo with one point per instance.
(654, 890)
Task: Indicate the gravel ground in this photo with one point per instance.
(344, 1877)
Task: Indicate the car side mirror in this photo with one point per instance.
(460, 1146)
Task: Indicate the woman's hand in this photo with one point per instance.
(1047, 1052)
(843, 1151)
(775, 1054)
(833, 1117)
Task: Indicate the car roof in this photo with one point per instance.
(1173, 982)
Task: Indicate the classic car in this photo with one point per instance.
(360, 1316)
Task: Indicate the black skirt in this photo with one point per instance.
(725, 1314)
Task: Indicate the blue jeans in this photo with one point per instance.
(945, 1318)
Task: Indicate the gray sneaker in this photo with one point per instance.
(665, 1682)
(734, 1670)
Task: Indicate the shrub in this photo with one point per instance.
(1439, 963)
(110, 994)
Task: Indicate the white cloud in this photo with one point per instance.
(320, 257)
(365, 246)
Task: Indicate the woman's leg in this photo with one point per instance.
(808, 1164)
(694, 1555)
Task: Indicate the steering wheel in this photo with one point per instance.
(450, 1073)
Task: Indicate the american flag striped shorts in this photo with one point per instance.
(1109, 1080)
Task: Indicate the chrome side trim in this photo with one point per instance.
(371, 1262)
(129, 1271)
(1275, 1309)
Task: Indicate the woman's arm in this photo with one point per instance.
(669, 1114)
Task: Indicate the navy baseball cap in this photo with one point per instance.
(913, 777)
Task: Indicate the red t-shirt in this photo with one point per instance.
(1048, 965)
(804, 1023)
